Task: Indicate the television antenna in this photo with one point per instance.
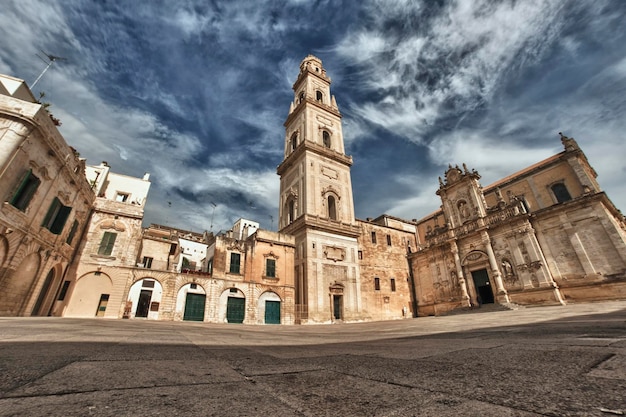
(212, 214)
(49, 60)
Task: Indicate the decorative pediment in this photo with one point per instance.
(40, 171)
(330, 190)
(64, 196)
(270, 255)
(236, 245)
(474, 256)
(113, 224)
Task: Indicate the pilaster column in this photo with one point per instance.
(493, 264)
(459, 272)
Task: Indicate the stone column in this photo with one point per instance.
(459, 272)
(493, 264)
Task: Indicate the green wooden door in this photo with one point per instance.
(235, 310)
(272, 312)
(194, 307)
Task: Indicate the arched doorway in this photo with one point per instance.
(16, 289)
(145, 296)
(233, 306)
(90, 296)
(191, 302)
(269, 307)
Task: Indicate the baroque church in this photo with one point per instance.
(72, 242)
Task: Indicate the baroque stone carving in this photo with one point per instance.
(334, 253)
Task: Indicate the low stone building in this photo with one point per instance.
(46, 202)
(107, 258)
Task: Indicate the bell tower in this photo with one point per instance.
(316, 204)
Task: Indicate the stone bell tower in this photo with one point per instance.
(316, 204)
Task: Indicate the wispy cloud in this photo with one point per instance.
(197, 94)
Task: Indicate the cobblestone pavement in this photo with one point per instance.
(549, 361)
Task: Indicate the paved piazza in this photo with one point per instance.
(549, 361)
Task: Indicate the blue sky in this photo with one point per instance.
(196, 92)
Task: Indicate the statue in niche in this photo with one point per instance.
(463, 210)
(507, 268)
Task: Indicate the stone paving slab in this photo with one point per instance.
(552, 361)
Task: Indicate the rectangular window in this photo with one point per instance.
(360, 254)
(121, 197)
(173, 248)
(377, 284)
(147, 262)
(107, 243)
(235, 259)
(147, 283)
(270, 268)
(25, 191)
(388, 240)
(63, 292)
(56, 217)
(393, 284)
(209, 267)
(374, 237)
(72, 233)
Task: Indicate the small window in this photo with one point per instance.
(173, 248)
(301, 97)
(25, 191)
(56, 217)
(235, 259)
(121, 197)
(147, 262)
(388, 240)
(332, 209)
(374, 237)
(107, 243)
(326, 139)
(147, 283)
(294, 141)
(72, 233)
(377, 284)
(270, 268)
(234, 290)
(63, 292)
(291, 211)
(209, 267)
(319, 96)
(193, 286)
(360, 254)
(392, 281)
(561, 193)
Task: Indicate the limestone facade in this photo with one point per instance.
(544, 235)
(107, 257)
(46, 201)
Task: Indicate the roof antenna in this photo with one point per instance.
(49, 61)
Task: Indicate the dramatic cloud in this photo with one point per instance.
(197, 94)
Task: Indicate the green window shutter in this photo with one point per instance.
(25, 191)
(51, 214)
(235, 260)
(60, 219)
(270, 268)
(107, 243)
